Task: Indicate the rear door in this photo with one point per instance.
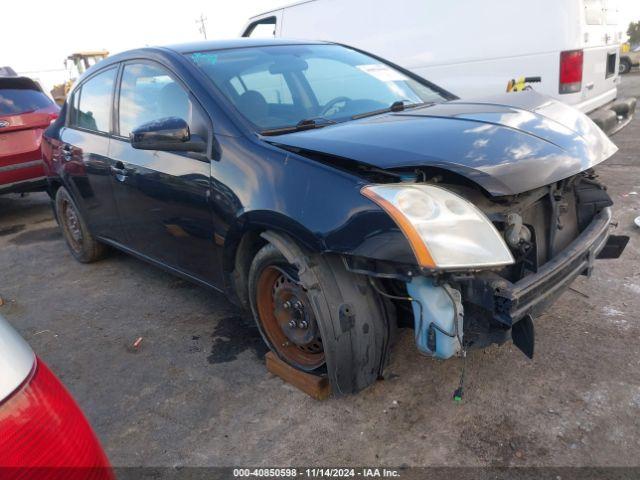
(24, 114)
(85, 153)
(601, 47)
(163, 197)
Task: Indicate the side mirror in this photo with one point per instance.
(167, 134)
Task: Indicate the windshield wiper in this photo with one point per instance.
(397, 106)
(305, 124)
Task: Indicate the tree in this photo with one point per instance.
(634, 33)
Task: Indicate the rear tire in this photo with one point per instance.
(82, 245)
(625, 66)
(351, 320)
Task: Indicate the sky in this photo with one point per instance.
(37, 35)
(39, 42)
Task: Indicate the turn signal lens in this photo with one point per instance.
(445, 230)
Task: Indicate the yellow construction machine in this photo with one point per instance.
(76, 64)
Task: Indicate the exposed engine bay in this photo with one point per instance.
(553, 232)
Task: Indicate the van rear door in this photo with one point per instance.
(600, 62)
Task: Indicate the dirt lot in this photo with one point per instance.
(197, 392)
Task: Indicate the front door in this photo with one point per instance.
(163, 197)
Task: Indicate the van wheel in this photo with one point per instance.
(625, 66)
(81, 243)
(314, 314)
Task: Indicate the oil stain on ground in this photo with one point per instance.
(35, 236)
(500, 442)
(231, 337)
(11, 230)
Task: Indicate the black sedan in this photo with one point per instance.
(334, 194)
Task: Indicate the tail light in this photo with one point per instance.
(44, 435)
(571, 63)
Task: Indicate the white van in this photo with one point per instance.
(473, 48)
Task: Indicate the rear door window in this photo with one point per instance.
(611, 12)
(593, 10)
(91, 104)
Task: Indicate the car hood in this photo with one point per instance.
(507, 144)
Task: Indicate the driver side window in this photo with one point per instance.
(148, 92)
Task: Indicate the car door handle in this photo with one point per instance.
(119, 170)
(67, 152)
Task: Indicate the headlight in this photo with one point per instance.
(444, 229)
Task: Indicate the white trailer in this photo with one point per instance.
(473, 48)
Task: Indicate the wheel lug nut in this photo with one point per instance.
(287, 305)
(292, 323)
(303, 324)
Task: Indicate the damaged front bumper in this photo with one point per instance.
(511, 302)
(508, 308)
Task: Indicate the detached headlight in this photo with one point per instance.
(444, 229)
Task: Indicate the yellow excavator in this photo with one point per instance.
(76, 64)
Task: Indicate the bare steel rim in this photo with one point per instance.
(71, 225)
(287, 319)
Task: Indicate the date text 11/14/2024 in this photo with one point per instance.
(316, 472)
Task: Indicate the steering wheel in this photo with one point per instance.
(332, 103)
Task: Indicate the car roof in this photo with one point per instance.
(184, 48)
(237, 43)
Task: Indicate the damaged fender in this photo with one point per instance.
(354, 322)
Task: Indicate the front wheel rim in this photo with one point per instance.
(287, 319)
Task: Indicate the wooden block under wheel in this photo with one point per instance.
(315, 386)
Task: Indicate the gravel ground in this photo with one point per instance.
(197, 392)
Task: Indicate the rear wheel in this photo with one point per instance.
(83, 246)
(314, 314)
(625, 66)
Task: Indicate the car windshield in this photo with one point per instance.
(279, 87)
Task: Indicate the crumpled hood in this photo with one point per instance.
(507, 144)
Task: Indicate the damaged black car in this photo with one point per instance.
(336, 196)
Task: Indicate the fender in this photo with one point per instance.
(317, 205)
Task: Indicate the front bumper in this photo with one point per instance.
(511, 302)
(614, 116)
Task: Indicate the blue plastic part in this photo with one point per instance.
(437, 309)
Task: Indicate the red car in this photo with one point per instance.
(43, 433)
(25, 112)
